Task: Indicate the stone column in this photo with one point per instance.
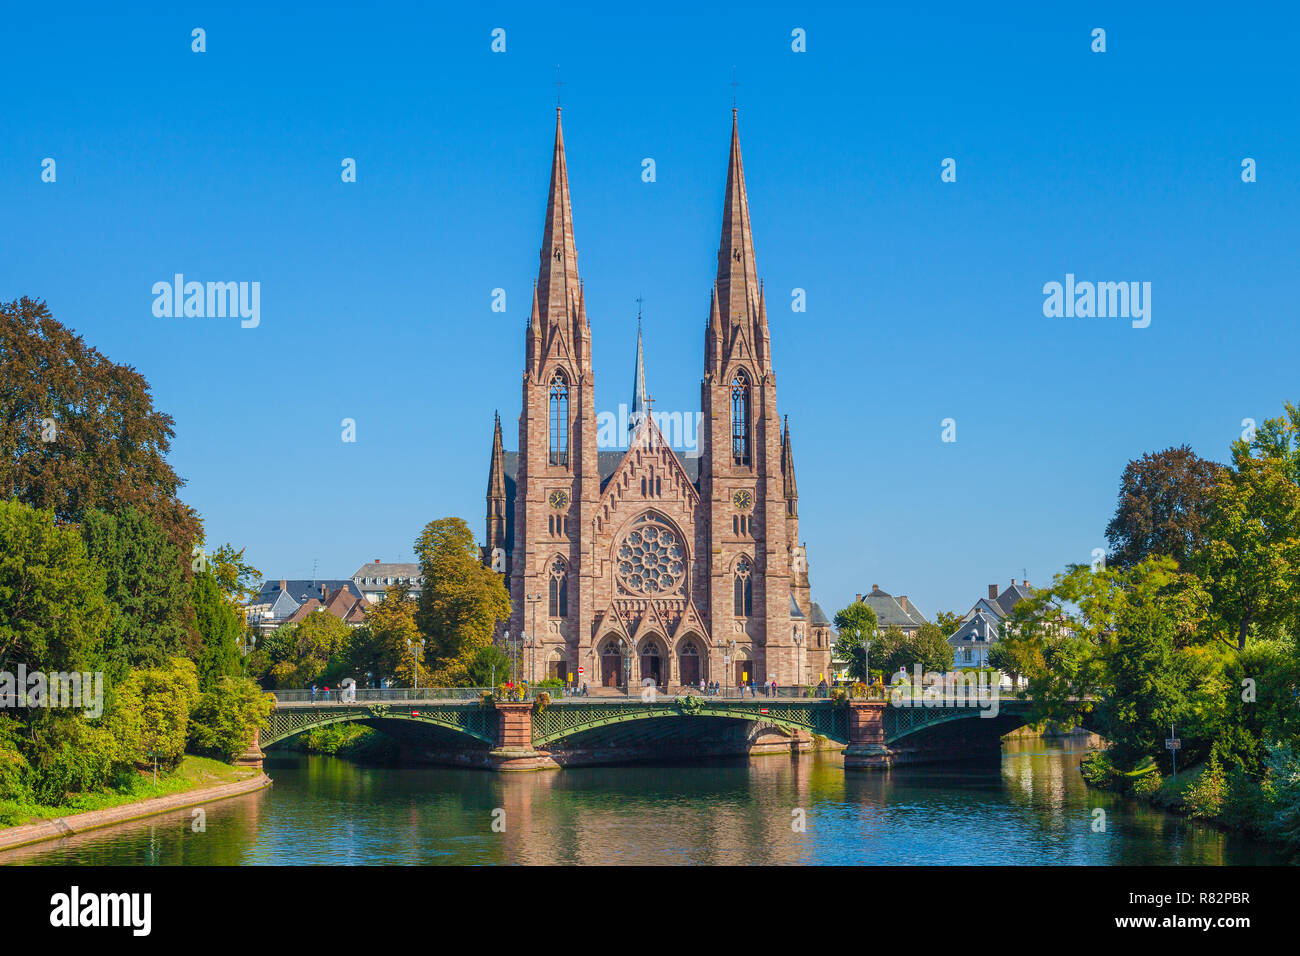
(866, 749)
(514, 745)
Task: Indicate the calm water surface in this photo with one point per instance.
(1033, 808)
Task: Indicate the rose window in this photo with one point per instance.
(651, 559)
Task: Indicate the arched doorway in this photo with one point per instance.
(743, 665)
(557, 666)
(654, 663)
(611, 663)
(688, 662)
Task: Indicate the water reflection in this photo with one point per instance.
(1032, 808)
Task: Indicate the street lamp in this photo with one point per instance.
(416, 655)
(625, 651)
(533, 599)
(798, 640)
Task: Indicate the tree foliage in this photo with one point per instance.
(78, 432)
(144, 583)
(226, 716)
(1164, 504)
(219, 626)
(461, 602)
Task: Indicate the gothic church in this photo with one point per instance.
(633, 566)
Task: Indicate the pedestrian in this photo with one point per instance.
(313, 693)
(327, 692)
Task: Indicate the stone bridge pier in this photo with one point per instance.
(867, 749)
(514, 750)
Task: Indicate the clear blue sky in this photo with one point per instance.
(924, 298)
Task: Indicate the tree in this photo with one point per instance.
(226, 716)
(239, 581)
(220, 628)
(314, 649)
(379, 646)
(854, 625)
(52, 607)
(461, 602)
(489, 665)
(78, 432)
(152, 712)
(1251, 562)
(146, 586)
(1164, 503)
(948, 622)
(926, 647)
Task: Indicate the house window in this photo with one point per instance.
(559, 419)
(968, 655)
(744, 588)
(740, 418)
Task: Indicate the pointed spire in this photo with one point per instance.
(713, 336)
(557, 276)
(640, 404)
(737, 275)
(787, 465)
(497, 470)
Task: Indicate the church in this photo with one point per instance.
(634, 566)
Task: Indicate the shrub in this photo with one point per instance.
(1204, 797)
(1097, 770)
(1147, 784)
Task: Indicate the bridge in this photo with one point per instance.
(525, 735)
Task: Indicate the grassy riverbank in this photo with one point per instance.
(350, 741)
(193, 773)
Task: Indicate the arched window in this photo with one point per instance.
(559, 419)
(559, 603)
(744, 588)
(740, 418)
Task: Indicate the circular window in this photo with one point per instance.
(651, 559)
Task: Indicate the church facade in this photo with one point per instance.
(639, 565)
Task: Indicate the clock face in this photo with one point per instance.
(743, 499)
(559, 499)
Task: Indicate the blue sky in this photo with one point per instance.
(924, 298)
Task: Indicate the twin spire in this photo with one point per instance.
(737, 327)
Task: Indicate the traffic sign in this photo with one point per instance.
(581, 669)
(1174, 743)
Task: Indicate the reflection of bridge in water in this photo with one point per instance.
(522, 735)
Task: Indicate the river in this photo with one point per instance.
(1032, 808)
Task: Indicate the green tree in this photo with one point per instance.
(312, 650)
(948, 622)
(1251, 563)
(226, 716)
(78, 432)
(144, 582)
(854, 625)
(152, 712)
(52, 607)
(461, 602)
(490, 664)
(240, 582)
(379, 646)
(219, 626)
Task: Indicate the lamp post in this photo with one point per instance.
(533, 599)
(416, 655)
(798, 641)
(625, 652)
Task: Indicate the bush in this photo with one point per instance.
(1147, 784)
(1204, 797)
(152, 713)
(1097, 770)
(225, 718)
(1282, 789)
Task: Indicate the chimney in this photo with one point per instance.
(1025, 583)
(902, 599)
(324, 592)
(858, 599)
(284, 585)
(993, 591)
(875, 587)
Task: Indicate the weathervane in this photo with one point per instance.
(558, 83)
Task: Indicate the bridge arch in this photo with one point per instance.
(467, 720)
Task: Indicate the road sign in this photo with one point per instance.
(582, 670)
(1174, 743)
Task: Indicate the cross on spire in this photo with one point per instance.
(558, 83)
(733, 85)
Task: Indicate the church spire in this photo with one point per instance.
(496, 497)
(639, 404)
(737, 276)
(557, 275)
(787, 470)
